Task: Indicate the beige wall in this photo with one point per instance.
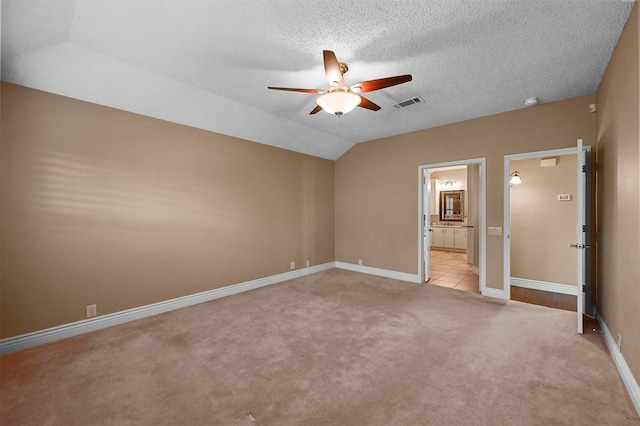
(618, 192)
(542, 228)
(377, 184)
(108, 207)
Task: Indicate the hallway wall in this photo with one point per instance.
(542, 228)
(618, 192)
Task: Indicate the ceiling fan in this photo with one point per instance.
(340, 99)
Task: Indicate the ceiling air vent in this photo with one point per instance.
(408, 103)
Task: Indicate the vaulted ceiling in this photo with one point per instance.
(207, 64)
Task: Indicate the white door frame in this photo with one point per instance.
(507, 212)
(425, 206)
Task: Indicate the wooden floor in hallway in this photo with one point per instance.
(545, 298)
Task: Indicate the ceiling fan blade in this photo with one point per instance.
(366, 103)
(332, 68)
(317, 109)
(381, 83)
(290, 89)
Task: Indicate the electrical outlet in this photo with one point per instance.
(619, 341)
(308, 263)
(360, 262)
(91, 311)
(293, 265)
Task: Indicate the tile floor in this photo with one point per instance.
(450, 269)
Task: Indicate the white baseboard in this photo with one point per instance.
(544, 286)
(496, 293)
(403, 276)
(29, 340)
(623, 368)
(475, 270)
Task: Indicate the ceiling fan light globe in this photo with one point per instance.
(338, 103)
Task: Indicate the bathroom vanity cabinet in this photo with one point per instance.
(460, 238)
(438, 236)
(453, 237)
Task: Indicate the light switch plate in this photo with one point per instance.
(495, 230)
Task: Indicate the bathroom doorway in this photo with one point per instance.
(451, 222)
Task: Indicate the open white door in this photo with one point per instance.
(581, 232)
(426, 225)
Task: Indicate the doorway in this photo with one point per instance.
(468, 225)
(545, 225)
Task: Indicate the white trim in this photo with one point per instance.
(547, 153)
(623, 368)
(483, 215)
(424, 239)
(475, 270)
(545, 286)
(506, 226)
(403, 276)
(496, 293)
(49, 335)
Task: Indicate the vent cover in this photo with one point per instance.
(408, 103)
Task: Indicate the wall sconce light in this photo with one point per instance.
(448, 184)
(515, 178)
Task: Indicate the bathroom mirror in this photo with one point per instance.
(452, 206)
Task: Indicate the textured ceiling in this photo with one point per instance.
(207, 64)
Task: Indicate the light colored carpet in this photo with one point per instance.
(332, 348)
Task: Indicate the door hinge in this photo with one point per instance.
(584, 288)
(584, 228)
(584, 168)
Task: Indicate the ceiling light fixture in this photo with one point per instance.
(338, 102)
(515, 178)
(340, 99)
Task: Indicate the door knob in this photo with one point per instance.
(580, 246)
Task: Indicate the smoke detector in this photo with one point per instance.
(530, 102)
